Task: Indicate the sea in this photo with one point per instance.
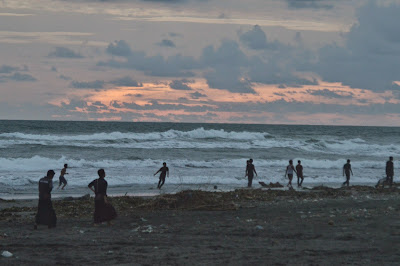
(199, 156)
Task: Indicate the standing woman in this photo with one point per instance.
(103, 210)
(46, 214)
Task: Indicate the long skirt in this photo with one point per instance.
(46, 214)
(103, 212)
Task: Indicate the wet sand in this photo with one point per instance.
(321, 226)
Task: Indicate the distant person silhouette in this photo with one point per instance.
(164, 172)
(250, 170)
(347, 170)
(390, 171)
(46, 214)
(289, 172)
(299, 173)
(62, 179)
(389, 174)
(103, 210)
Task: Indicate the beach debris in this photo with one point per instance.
(259, 227)
(331, 222)
(149, 229)
(110, 252)
(85, 197)
(81, 231)
(68, 198)
(6, 254)
(249, 220)
(271, 185)
(142, 219)
(136, 229)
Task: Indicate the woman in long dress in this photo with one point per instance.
(46, 214)
(103, 210)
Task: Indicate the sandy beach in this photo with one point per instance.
(319, 226)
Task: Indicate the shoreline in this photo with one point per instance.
(150, 190)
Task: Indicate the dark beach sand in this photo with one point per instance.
(322, 226)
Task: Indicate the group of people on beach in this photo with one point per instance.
(251, 170)
(105, 212)
(381, 182)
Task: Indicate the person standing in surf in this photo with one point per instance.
(103, 210)
(62, 179)
(164, 172)
(347, 170)
(389, 171)
(250, 171)
(46, 214)
(299, 173)
(289, 173)
(389, 174)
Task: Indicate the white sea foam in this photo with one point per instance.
(26, 171)
(201, 138)
(199, 133)
(42, 163)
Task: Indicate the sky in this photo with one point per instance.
(316, 62)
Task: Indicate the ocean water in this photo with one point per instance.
(196, 154)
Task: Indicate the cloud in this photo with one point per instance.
(228, 79)
(64, 77)
(197, 95)
(226, 62)
(166, 43)
(330, 94)
(17, 77)
(6, 69)
(126, 81)
(255, 38)
(278, 69)
(225, 67)
(119, 48)
(284, 107)
(172, 66)
(315, 4)
(174, 34)
(180, 85)
(97, 84)
(156, 105)
(370, 57)
(63, 52)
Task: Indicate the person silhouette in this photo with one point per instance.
(289, 172)
(103, 210)
(46, 214)
(62, 179)
(250, 171)
(164, 172)
(389, 171)
(299, 173)
(347, 170)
